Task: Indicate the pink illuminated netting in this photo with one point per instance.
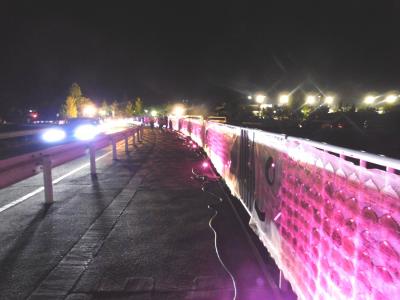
(331, 226)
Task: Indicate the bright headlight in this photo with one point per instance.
(53, 135)
(85, 132)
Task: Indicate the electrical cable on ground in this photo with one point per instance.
(205, 180)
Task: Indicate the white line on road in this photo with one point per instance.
(55, 181)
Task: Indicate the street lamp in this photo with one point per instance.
(153, 113)
(260, 98)
(89, 111)
(369, 100)
(249, 97)
(284, 99)
(329, 100)
(178, 110)
(311, 99)
(391, 98)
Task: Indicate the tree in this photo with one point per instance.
(104, 110)
(75, 91)
(129, 109)
(70, 107)
(114, 109)
(138, 106)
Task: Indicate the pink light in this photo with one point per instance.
(194, 146)
(204, 164)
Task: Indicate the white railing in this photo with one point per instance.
(18, 168)
(364, 158)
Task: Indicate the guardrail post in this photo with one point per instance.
(139, 134)
(133, 137)
(92, 153)
(47, 180)
(114, 148)
(126, 143)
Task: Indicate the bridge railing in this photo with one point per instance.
(15, 169)
(329, 216)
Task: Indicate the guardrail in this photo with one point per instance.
(20, 133)
(15, 169)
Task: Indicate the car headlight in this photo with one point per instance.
(53, 135)
(85, 132)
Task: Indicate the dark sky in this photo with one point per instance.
(206, 51)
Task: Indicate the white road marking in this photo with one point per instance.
(55, 181)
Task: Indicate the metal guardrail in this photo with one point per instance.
(18, 168)
(20, 133)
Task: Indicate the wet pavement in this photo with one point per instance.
(140, 230)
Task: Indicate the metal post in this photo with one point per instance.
(139, 134)
(114, 148)
(283, 283)
(92, 153)
(47, 180)
(126, 144)
(133, 138)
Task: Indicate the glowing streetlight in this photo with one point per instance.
(260, 98)
(329, 100)
(102, 112)
(391, 99)
(154, 113)
(249, 97)
(178, 110)
(311, 100)
(89, 111)
(369, 100)
(284, 99)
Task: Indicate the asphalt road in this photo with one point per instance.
(139, 230)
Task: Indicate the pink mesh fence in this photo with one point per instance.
(331, 226)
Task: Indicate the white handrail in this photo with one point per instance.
(389, 163)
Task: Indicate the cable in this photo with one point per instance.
(206, 180)
(217, 252)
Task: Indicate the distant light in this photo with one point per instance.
(284, 99)
(204, 165)
(391, 99)
(53, 135)
(154, 113)
(329, 100)
(249, 97)
(146, 111)
(102, 112)
(178, 110)
(89, 111)
(34, 115)
(260, 98)
(194, 146)
(369, 99)
(85, 132)
(311, 100)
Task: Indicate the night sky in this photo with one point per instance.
(197, 50)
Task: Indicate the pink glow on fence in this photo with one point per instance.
(332, 227)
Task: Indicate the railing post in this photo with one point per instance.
(126, 143)
(133, 138)
(92, 153)
(47, 180)
(114, 148)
